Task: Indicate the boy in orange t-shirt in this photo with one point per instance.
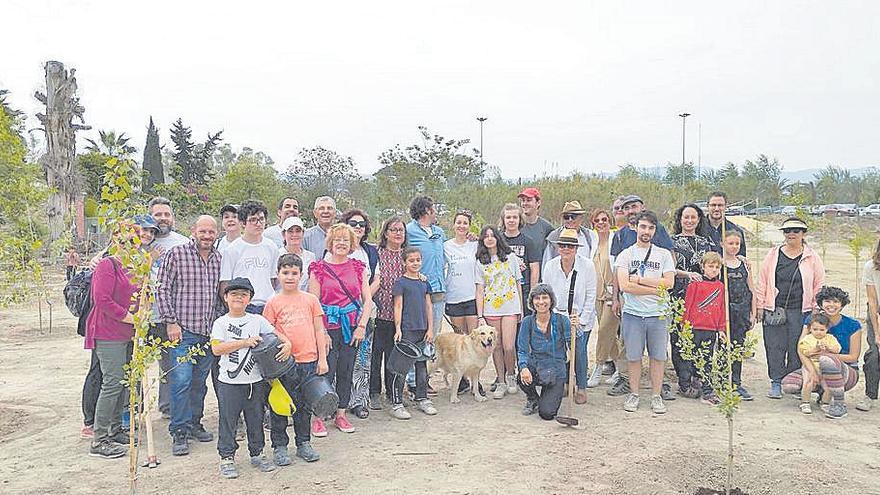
(298, 316)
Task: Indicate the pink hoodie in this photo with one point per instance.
(812, 273)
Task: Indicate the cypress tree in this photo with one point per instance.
(154, 172)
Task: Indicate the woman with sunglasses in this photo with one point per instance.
(688, 248)
(607, 345)
(369, 255)
(499, 303)
(791, 276)
(392, 240)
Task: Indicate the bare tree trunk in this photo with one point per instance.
(59, 162)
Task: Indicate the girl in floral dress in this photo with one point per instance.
(499, 303)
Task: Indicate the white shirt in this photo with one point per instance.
(461, 264)
(501, 286)
(585, 249)
(274, 234)
(308, 258)
(256, 262)
(659, 263)
(239, 367)
(584, 302)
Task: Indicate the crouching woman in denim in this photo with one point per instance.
(541, 350)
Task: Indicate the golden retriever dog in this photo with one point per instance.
(464, 356)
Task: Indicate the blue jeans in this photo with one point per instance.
(188, 382)
(580, 360)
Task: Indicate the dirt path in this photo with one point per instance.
(468, 448)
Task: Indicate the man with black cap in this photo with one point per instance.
(572, 218)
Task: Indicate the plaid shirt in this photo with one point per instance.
(187, 293)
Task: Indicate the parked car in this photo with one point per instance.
(733, 211)
(838, 210)
(870, 210)
(761, 210)
(788, 210)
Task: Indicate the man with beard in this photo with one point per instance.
(166, 238)
(325, 215)
(641, 270)
(188, 285)
(717, 203)
(288, 207)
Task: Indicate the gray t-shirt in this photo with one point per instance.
(414, 316)
(538, 232)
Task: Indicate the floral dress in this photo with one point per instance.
(500, 280)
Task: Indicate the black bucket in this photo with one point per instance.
(402, 357)
(320, 396)
(264, 354)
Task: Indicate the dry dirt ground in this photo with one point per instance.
(468, 448)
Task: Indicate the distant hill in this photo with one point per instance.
(805, 175)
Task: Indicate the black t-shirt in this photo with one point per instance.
(538, 232)
(524, 247)
(788, 278)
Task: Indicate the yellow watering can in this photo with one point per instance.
(279, 400)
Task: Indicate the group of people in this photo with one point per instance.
(338, 304)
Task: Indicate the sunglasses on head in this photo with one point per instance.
(793, 231)
(355, 223)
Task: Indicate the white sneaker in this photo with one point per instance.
(427, 407)
(657, 405)
(613, 378)
(498, 393)
(865, 404)
(512, 387)
(596, 377)
(397, 411)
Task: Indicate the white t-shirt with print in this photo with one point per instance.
(308, 258)
(461, 266)
(256, 262)
(659, 262)
(500, 282)
(239, 367)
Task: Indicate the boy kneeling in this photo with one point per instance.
(241, 386)
(298, 320)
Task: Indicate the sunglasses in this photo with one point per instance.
(570, 216)
(793, 231)
(355, 223)
(560, 247)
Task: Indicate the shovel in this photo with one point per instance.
(570, 420)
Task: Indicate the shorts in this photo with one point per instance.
(641, 331)
(465, 308)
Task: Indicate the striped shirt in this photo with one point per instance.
(187, 293)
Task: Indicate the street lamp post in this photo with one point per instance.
(481, 120)
(684, 117)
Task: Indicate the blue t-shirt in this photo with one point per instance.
(843, 331)
(431, 246)
(414, 316)
(626, 237)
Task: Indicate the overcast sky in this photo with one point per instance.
(585, 85)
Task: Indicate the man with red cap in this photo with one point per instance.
(534, 227)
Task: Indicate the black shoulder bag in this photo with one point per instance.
(777, 316)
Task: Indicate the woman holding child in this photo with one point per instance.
(342, 286)
(790, 278)
(834, 362)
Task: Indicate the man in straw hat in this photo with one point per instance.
(572, 218)
(573, 278)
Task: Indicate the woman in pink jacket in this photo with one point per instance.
(791, 276)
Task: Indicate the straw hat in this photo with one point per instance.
(573, 207)
(793, 223)
(569, 237)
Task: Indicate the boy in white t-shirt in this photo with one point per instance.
(252, 256)
(241, 386)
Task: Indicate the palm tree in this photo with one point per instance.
(111, 145)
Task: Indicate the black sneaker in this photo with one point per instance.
(121, 437)
(199, 433)
(608, 368)
(107, 449)
(620, 387)
(463, 386)
(179, 445)
(530, 408)
(666, 392)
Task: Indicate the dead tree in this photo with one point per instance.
(59, 162)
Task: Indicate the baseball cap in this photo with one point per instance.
(292, 222)
(146, 222)
(239, 283)
(530, 192)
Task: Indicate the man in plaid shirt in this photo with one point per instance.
(189, 278)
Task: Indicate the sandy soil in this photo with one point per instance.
(468, 448)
